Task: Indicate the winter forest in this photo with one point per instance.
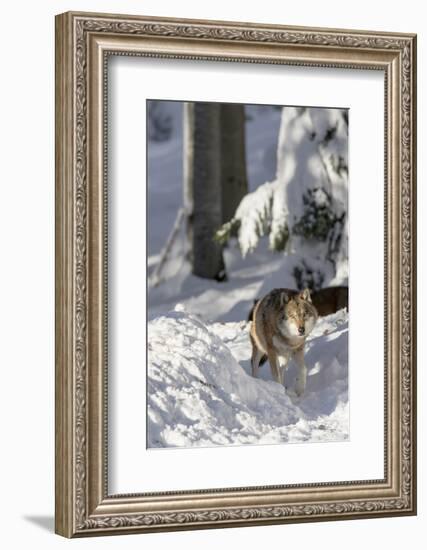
(243, 199)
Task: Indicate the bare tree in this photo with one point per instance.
(234, 182)
(202, 187)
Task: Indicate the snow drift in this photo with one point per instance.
(200, 392)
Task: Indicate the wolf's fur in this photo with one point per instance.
(326, 300)
(281, 323)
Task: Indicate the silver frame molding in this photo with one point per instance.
(83, 43)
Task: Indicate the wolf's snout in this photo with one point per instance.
(301, 330)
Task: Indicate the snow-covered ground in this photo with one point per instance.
(201, 393)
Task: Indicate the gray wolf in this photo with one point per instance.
(281, 322)
(326, 300)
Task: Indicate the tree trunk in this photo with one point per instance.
(202, 187)
(234, 182)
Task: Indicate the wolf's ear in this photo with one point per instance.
(284, 298)
(305, 295)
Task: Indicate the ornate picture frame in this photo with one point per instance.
(83, 43)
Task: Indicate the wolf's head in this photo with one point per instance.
(298, 315)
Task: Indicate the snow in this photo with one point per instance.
(312, 165)
(226, 301)
(254, 215)
(199, 388)
(164, 179)
(201, 393)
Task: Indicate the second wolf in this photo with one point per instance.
(281, 322)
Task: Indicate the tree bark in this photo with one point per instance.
(202, 187)
(234, 181)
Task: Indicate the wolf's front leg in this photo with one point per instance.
(302, 372)
(274, 365)
(283, 365)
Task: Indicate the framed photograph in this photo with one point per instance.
(235, 274)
